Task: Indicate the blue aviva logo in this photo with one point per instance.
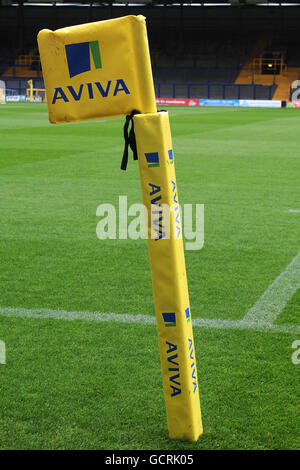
(79, 57)
(152, 159)
(187, 315)
(169, 318)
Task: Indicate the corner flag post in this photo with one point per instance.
(79, 65)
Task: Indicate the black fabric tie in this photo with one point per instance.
(129, 138)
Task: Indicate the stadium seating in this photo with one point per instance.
(284, 74)
(25, 65)
(206, 65)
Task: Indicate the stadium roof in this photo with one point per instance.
(158, 3)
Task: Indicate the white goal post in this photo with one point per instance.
(2, 92)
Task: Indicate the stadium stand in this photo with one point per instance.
(195, 53)
(200, 73)
(25, 65)
(267, 65)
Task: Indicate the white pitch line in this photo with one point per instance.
(144, 320)
(245, 325)
(65, 315)
(274, 299)
(294, 211)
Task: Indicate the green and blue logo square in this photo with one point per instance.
(79, 57)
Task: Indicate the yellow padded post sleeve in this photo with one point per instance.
(171, 298)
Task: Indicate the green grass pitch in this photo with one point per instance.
(87, 385)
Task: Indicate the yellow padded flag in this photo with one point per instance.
(97, 70)
(171, 298)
